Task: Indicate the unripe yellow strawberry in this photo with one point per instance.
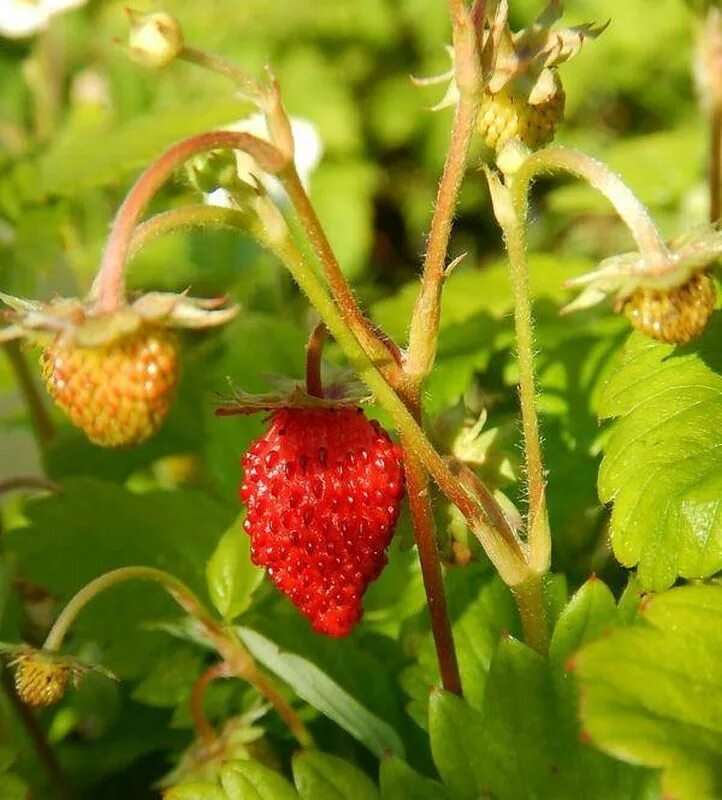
(506, 115)
(117, 393)
(675, 316)
(40, 681)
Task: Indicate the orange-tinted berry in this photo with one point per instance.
(119, 393)
(675, 316)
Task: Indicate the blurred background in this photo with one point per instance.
(79, 120)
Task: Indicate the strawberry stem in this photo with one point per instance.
(424, 330)
(715, 165)
(314, 355)
(237, 659)
(109, 285)
(372, 343)
(40, 419)
(514, 230)
(184, 218)
(422, 517)
(205, 731)
(632, 212)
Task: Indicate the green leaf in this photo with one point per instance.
(315, 687)
(231, 575)
(514, 752)
(400, 782)
(92, 527)
(663, 460)
(322, 777)
(198, 790)
(588, 614)
(169, 682)
(248, 780)
(456, 730)
(652, 692)
(583, 770)
(12, 788)
(85, 158)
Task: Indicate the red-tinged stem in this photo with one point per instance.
(372, 343)
(110, 280)
(205, 731)
(715, 165)
(39, 417)
(314, 355)
(424, 330)
(422, 516)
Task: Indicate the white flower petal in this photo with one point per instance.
(22, 18)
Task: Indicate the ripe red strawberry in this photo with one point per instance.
(323, 488)
(117, 393)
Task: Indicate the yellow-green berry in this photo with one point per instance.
(674, 316)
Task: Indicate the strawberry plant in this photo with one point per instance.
(340, 525)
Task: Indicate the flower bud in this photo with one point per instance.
(155, 40)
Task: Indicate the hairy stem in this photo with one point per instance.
(239, 661)
(371, 342)
(109, 285)
(204, 730)
(249, 87)
(39, 417)
(184, 218)
(422, 517)
(715, 165)
(424, 330)
(632, 212)
(539, 539)
(314, 356)
(529, 596)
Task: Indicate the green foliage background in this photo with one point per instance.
(168, 503)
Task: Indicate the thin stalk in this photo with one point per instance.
(39, 417)
(467, 75)
(239, 661)
(28, 482)
(204, 730)
(632, 212)
(314, 355)
(46, 754)
(715, 165)
(109, 285)
(538, 534)
(249, 87)
(422, 517)
(340, 288)
(184, 218)
(268, 99)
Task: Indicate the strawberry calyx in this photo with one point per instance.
(340, 391)
(75, 322)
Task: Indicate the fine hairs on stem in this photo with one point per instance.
(235, 657)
